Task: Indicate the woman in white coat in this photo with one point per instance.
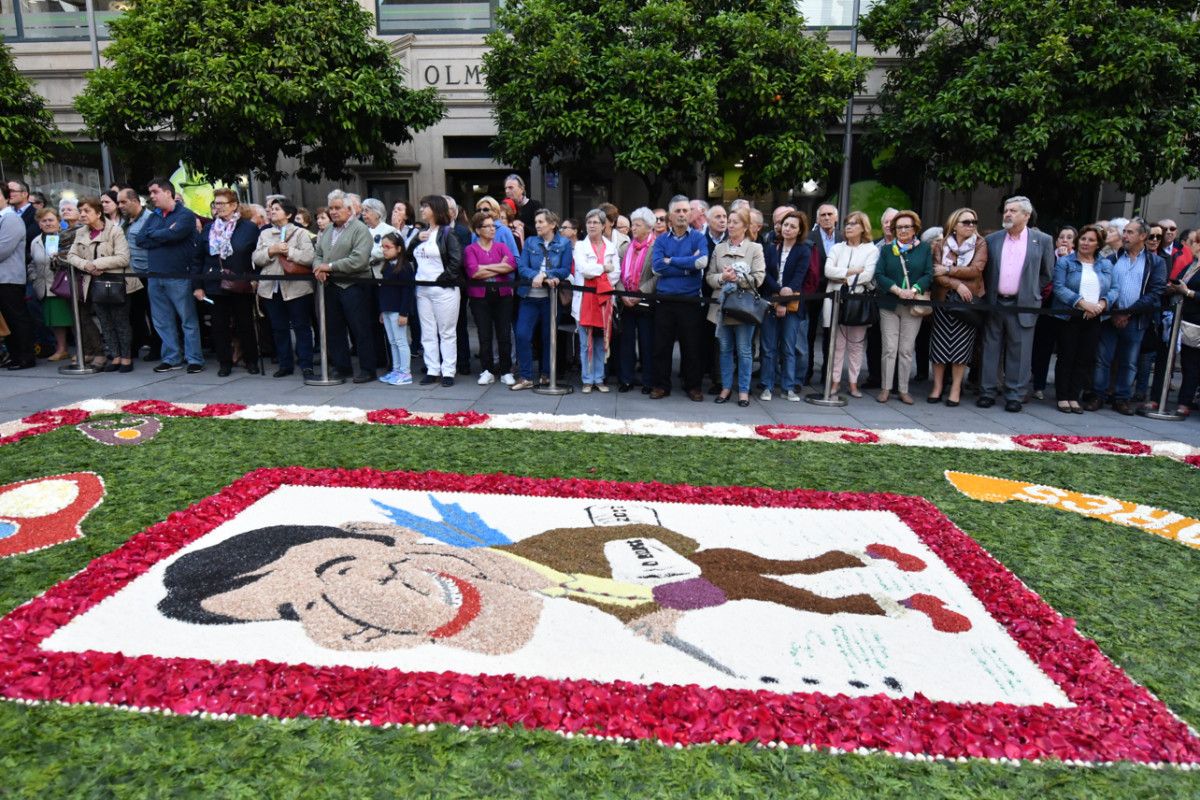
(597, 262)
(850, 262)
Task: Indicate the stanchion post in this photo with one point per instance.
(78, 368)
(325, 379)
(553, 388)
(1161, 412)
(827, 398)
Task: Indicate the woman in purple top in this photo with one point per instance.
(490, 265)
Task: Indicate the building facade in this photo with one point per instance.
(441, 45)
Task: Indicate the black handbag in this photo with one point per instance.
(108, 292)
(963, 312)
(744, 305)
(857, 308)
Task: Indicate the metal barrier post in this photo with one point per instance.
(825, 398)
(78, 368)
(324, 380)
(1161, 412)
(553, 388)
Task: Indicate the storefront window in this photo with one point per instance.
(451, 16)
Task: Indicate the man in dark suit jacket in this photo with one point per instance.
(822, 239)
(1020, 263)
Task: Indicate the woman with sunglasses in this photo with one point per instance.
(958, 264)
(504, 235)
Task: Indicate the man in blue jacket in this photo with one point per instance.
(169, 239)
(679, 259)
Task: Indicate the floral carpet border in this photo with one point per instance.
(1112, 718)
(51, 419)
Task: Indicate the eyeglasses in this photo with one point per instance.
(1170, 228)
(660, 219)
(903, 227)
(968, 222)
(1154, 236)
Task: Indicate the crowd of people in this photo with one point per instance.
(951, 303)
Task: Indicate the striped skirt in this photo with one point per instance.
(951, 341)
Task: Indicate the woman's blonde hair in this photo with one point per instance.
(864, 221)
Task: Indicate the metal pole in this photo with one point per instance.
(553, 388)
(1161, 413)
(848, 135)
(105, 156)
(324, 380)
(78, 368)
(825, 398)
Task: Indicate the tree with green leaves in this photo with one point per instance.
(1045, 98)
(27, 130)
(239, 83)
(660, 85)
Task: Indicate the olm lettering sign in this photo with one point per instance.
(447, 75)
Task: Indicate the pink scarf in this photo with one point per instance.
(635, 258)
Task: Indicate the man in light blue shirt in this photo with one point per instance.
(1141, 278)
(134, 216)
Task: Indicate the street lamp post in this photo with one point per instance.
(848, 136)
(105, 158)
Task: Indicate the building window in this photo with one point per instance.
(832, 13)
(468, 147)
(45, 20)
(449, 16)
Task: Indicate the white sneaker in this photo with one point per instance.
(795, 398)
(507, 379)
(389, 378)
(486, 377)
(766, 395)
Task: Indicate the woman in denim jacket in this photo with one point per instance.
(1082, 281)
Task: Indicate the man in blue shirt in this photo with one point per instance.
(134, 216)
(679, 259)
(169, 238)
(1141, 278)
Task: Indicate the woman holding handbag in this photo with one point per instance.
(225, 255)
(595, 266)
(958, 265)
(285, 248)
(904, 272)
(850, 264)
(48, 274)
(784, 329)
(737, 264)
(1187, 285)
(101, 247)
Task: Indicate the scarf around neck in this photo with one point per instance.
(958, 255)
(635, 259)
(219, 235)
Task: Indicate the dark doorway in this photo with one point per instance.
(467, 186)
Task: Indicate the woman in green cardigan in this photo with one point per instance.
(904, 270)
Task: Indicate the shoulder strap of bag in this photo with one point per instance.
(904, 266)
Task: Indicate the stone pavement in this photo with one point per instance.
(26, 391)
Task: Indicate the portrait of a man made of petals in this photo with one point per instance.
(784, 599)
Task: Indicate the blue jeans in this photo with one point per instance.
(397, 336)
(534, 314)
(1123, 345)
(591, 367)
(636, 338)
(786, 338)
(741, 335)
(171, 305)
(287, 316)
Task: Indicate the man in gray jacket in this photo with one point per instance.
(344, 251)
(12, 287)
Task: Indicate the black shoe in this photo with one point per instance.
(985, 402)
(428, 380)
(1012, 406)
(365, 377)
(647, 390)
(308, 372)
(743, 403)
(165, 367)
(111, 366)
(447, 382)
(252, 369)
(126, 367)
(721, 398)
(224, 371)
(192, 369)
(16, 365)
(283, 373)
(624, 387)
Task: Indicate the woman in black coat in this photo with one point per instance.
(225, 275)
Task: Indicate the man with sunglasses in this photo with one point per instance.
(1169, 248)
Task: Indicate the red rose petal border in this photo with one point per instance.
(1114, 719)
